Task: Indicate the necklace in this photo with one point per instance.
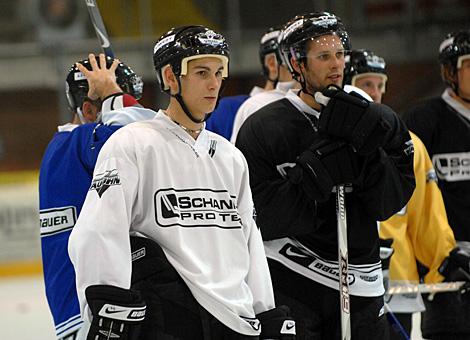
(188, 130)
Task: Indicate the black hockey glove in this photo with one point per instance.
(456, 266)
(353, 118)
(117, 312)
(276, 323)
(325, 164)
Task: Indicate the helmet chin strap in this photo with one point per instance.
(180, 100)
(303, 83)
(80, 115)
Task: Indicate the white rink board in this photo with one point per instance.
(19, 222)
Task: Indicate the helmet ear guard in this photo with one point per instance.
(454, 49)
(269, 45)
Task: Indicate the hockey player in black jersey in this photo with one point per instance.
(443, 124)
(297, 152)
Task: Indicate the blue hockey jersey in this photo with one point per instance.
(221, 120)
(65, 176)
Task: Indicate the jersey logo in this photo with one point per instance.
(138, 254)
(311, 262)
(409, 148)
(288, 327)
(196, 208)
(452, 167)
(103, 181)
(57, 220)
(212, 147)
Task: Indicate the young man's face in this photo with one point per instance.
(201, 85)
(372, 85)
(463, 74)
(325, 63)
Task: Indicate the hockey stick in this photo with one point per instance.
(99, 27)
(396, 325)
(426, 288)
(343, 263)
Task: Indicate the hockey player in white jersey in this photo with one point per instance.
(283, 83)
(222, 119)
(187, 189)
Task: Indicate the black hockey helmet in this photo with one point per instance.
(452, 51)
(269, 43)
(363, 62)
(76, 85)
(179, 45)
(303, 28)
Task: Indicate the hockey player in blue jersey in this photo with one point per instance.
(66, 172)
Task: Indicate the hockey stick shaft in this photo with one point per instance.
(99, 27)
(343, 263)
(395, 323)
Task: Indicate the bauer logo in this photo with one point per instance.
(452, 167)
(57, 220)
(163, 42)
(102, 182)
(195, 208)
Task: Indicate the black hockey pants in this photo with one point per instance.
(172, 311)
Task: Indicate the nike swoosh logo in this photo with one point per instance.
(291, 253)
(290, 326)
(111, 311)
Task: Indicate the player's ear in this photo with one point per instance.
(169, 79)
(90, 111)
(295, 65)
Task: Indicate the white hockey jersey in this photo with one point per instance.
(193, 198)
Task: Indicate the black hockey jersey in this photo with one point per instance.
(443, 125)
(272, 139)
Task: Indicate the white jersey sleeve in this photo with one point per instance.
(258, 278)
(99, 244)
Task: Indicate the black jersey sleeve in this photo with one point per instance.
(282, 208)
(422, 120)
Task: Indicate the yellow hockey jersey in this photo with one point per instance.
(420, 231)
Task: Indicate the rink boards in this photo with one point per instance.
(19, 223)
